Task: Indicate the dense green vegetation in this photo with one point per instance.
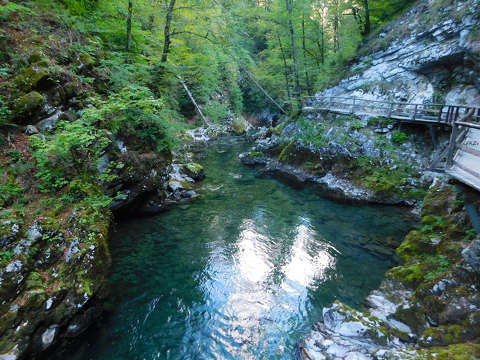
(119, 67)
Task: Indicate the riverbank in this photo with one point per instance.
(348, 158)
(428, 307)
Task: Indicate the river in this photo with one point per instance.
(241, 273)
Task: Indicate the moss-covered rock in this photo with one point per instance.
(453, 352)
(34, 78)
(411, 275)
(194, 170)
(85, 62)
(29, 105)
(239, 125)
(38, 59)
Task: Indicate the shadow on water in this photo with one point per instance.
(241, 273)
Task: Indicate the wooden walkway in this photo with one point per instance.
(461, 158)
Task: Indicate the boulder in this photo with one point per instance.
(29, 105)
(471, 255)
(31, 130)
(34, 78)
(194, 170)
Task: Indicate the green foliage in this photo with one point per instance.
(383, 179)
(437, 264)
(356, 125)
(6, 257)
(5, 112)
(399, 137)
(12, 7)
(311, 133)
(217, 112)
(135, 111)
(380, 121)
(73, 151)
(9, 191)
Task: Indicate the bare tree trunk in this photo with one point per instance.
(298, 90)
(336, 24)
(367, 28)
(151, 20)
(285, 67)
(167, 31)
(129, 26)
(307, 78)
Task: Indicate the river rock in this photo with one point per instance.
(49, 123)
(31, 130)
(471, 254)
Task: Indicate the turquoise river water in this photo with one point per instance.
(241, 273)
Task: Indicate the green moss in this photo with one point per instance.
(34, 78)
(194, 168)
(28, 105)
(453, 352)
(38, 59)
(86, 60)
(187, 185)
(255, 154)
(438, 201)
(409, 275)
(239, 125)
(277, 130)
(414, 244)
(443, 335)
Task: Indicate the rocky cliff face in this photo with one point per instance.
(347, 158)
(430, 54)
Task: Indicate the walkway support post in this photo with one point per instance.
(452, 145)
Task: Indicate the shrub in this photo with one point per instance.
(134, 111)
(399, 137)
(356, 125)
(74, 151)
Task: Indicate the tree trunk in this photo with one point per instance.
(298, 90)
(366, 29)
(285, 68)
(307, 78)
(167, 31)
(129, 26)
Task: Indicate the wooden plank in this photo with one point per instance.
(469, 150)
(468, 170)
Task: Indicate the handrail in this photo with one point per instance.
(388, 102)
(411, 112)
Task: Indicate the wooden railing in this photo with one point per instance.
(463, 120)
(402, 111)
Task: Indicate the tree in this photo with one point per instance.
(298, 90)
(366, 29)
(129, 25)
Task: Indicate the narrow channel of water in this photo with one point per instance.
(242, 273)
